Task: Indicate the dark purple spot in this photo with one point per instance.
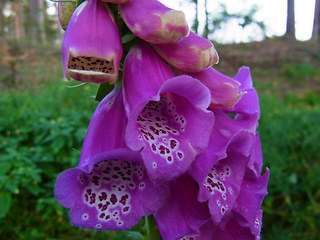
(123, 199)
(113, 199)
(103, 196)
(173, 143)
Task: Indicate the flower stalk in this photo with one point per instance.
(152, 232)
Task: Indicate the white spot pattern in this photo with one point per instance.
(214, 182)
(108, 189)
(159, 125)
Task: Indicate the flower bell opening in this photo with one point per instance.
(90, 64)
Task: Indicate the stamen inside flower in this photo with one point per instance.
(160, 126)
(92, 64)
(108, 189)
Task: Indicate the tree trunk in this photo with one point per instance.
(2, 19)
(290, 33)
(196, 20)
(18, 21)
(37, 33)
(316, 22)
(206, 26)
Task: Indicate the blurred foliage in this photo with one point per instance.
(43, 122)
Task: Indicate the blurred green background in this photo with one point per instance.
(43, 120)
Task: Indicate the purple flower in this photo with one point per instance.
(153, 21)
(191, 54)
(227, 184)
(110, 189)
(167, 116)
(92, 47)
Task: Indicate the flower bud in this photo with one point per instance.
(92, 47)
(224, 90)
(192, 53)
(153, 21)
(65, 11)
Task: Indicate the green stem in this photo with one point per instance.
(79, 2)
(151, 229)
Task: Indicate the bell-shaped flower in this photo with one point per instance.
(92, 47)
(65, 11)
(236, 188)
(224, 90)
(154, 22)
(167, 116)
(110, 189)
(191, 54)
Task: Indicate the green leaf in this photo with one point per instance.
(134, 235)
(5, 203)
(103, 90)
(4, 168)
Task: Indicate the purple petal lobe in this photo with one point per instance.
(249, 201)
(113, 196)
(182, 214)
(92, 47)
(153, 21)
(191, 54)
(248, 104)
(224, 131)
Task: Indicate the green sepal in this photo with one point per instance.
(103, 90)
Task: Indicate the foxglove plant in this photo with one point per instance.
(163, 143)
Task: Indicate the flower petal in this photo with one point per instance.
(153, 21)
(105, 131)
(249, 202)
(92, 47)
(248, 104)
(113, 196)
(191, 54)
(182, 214)
(224, 131)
